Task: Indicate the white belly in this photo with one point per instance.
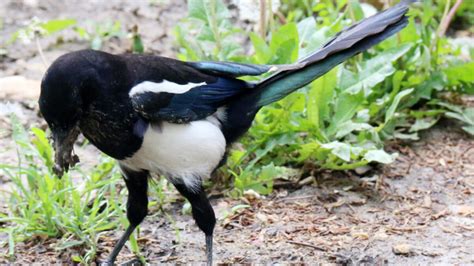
(180, 151)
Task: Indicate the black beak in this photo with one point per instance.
(63, 147)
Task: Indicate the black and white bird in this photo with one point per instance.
(156, 114)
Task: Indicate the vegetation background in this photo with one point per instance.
(351, 143)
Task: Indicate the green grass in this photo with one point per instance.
(42, 205)
(73, 210)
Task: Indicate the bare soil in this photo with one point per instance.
(418, 210)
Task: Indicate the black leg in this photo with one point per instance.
(203, 213)
(137, 206)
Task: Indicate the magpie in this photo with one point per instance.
(160, 115)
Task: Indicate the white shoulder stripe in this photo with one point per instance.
(165, 86)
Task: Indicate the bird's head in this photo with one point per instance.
(63, 99)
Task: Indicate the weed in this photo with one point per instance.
(341, 120)
(98, 33)
(40, 204)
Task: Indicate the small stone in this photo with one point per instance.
(403, 249)
(362, 169)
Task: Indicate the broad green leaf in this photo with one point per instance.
(56, 25)
(320, 97)
(469, 113)
(306, 29)
(452, 107)
(347, 79)
(345, 108)
(412, 136)
(397, 80)
(469, 129)
(284, 44)
(309, 150)
(197, 9)
(457, 116)
(375, 70)
(310, 37)
(340, 149)
(461, 117)
(460, 73)
(282, 54)
(393, 107)
(206, 34)
(363, 115)
(380, 156)
(421, 124)
(424, 90)
(263, 53)
(355, 11)
(349, 126)
(409, 34)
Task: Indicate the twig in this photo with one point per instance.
(295, 198)
(306, 245)
(40, 51)
(263, 18)
(270, 19)
(407, 229)
(446, 21)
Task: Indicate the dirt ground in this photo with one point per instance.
(419, 210)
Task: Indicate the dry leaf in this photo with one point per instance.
(463, 210)
(360, 235)
(440, 214)
(336, 204)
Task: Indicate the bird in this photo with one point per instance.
(155, 114)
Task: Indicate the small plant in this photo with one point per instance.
(463, 115)
(98, 33)
(72, 209)
(207, 33)
(40, 204)
(137, 43)
(37, 29)
(341, 120)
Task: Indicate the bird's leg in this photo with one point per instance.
(203, 213)
(137, 206)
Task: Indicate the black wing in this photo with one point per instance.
(195, 104)
(219, 86)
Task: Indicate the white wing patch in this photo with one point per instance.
(165, 86)
(183, 152)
